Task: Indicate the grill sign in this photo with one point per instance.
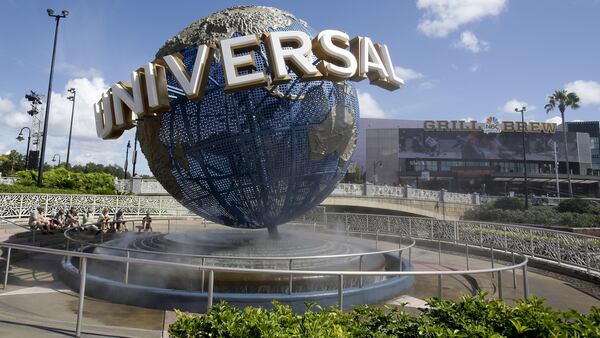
(491, 126)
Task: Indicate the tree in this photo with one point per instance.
(11, 162)
(562, 100)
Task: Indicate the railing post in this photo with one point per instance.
(467, 249)
(291, 277)
(169, 226)
(211, 281)
(431, 228)
(480, 235)
(377, 239)
(388, 225)
(410, 255)
(455, 231)
(127, 268)
(410, 227)
(514, 275)
(439, 291)
(101, 233)
(492, 258)
(439, 252)
(202, 274)
(400, 253)
(6, 268)
(500, 285)
(341, 292)
(532, 246)
(83, 275)
(559, 248)
(525, 282)
(587, 255)
(360, 268)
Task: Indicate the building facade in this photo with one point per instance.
(468, 156)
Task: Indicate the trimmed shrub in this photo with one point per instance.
(509, 203)
(471, 316)
(576, 205)
(63, 179)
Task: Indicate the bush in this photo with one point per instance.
(63, 179)
(471, 316)
(576, 205)
(509, 203)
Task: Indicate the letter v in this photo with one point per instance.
(193, 86)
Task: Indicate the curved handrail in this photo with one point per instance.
(266, 258)
(132, 260)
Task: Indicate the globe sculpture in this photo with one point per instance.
(253, 158)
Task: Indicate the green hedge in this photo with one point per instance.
(471, 316)
(64, 180)
(543, 215)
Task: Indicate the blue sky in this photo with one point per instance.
(461, 59)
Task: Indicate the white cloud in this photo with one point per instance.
(407, 74)
(427, 85)
(79, 72)
(510, 105)
(443, 17)
(555, 119)
(588, 91)
(471, 42)
(369, 107)
(473, 68)
(467, 119)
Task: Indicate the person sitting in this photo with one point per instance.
(104, 220)
(146, 223)
(59, 219)
(88, 224)
(37, 221)
(120, 220)
(72, 219)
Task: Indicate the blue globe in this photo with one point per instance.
(253, 158)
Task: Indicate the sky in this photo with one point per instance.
(460, 59)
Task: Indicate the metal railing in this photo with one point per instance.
(566, 250)
(83, 257)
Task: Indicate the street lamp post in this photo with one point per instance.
(70, 98)
(126, 159)
(21, 138)
(522, 111)
(56, 17)
(375, 165)
(54, 159)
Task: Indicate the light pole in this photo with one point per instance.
(20, 138)
(522, 111)
(126, 158)
(70, 98)
(375, 165)
(556, 172)
(54, 159)
(57, 18)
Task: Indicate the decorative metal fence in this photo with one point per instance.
(21, 205)
(569, 250)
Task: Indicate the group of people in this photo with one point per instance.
(71, 219)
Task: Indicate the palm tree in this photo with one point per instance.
(563, 100)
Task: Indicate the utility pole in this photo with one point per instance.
(522, 111)
(70, 98)
(49, 97)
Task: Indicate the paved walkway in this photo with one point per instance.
(37, 304)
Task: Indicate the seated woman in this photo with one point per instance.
(59, 219)
(120, 220)
(37, 221)
(104, 220)
(146, 223)
(72, 219)
(88, 223)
